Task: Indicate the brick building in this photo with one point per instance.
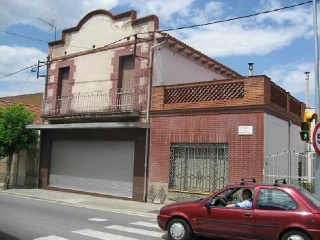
(201, 142)
(135, 113)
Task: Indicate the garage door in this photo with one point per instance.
(103, 167)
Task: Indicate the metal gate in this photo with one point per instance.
(198, 168)
(296, 167)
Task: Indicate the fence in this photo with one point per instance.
(296, 167)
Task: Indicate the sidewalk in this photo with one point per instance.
(88, 201)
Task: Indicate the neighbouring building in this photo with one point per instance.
(25, 165)
(132, 112)
(33, 99)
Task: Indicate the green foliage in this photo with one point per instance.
(14, 137)
(307, 185)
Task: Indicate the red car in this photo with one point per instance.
(275, 212)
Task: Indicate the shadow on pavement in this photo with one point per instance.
(4, 236)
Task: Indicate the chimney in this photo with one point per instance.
(250, 68)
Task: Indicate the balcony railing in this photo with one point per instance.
(247, 92)
(119, 100)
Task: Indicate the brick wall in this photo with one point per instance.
(245, 152)
(27, 99)
(185, 114)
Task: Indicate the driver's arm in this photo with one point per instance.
(231, 205)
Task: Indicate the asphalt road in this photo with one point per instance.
(29, 218)
(32, 219)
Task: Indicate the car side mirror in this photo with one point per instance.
(209, 203)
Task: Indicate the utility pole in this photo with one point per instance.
(316, 79)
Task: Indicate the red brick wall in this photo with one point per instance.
(245, 152)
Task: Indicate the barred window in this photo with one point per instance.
(198, 167)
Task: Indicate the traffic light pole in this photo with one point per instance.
(317, 103)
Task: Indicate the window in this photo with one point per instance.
(198, 167)
(126, 83)
(63, 84)
(310, 197)
(63, 90)
(230, 196)
(275, 199)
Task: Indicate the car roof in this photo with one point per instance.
(251, 183)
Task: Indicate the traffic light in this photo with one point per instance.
(305, 133)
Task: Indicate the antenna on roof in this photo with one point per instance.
(52, 24)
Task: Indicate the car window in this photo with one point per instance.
(275, 199)
(227, 193)
(310, 197)
(229, 196)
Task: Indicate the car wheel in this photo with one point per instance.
(178, 229)
(295, 235)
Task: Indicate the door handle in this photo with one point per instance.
(246, 214)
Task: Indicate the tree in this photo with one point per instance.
(14, 136)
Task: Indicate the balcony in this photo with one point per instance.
(247, 93)
(112, 103)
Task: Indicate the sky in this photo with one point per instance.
(276, 35)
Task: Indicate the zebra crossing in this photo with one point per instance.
(136, 231)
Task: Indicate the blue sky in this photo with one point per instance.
(279, 43)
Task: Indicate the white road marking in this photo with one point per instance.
(135, 230)
(51, 237)
(97, 219)
(102, 235)
(145, 224)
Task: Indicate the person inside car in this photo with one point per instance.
(247, 200)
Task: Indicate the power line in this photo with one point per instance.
(237, 18)
(25, 82)
(166, 30)
(20, 35)
(16, 72)
(185, 27)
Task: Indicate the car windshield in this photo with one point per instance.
(310, 197)
(227, 193)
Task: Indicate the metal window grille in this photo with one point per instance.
(198, 168)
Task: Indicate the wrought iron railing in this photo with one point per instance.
(198, 168)
(120, 100)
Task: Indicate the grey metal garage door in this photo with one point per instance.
(103, 167)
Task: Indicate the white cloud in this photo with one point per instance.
(17, 57)
(66, 13)
(259, 35)
(164, 9)
(249, 37)
(17, 63)
(292, 76)
(256, 35)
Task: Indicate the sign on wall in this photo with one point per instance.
(245, 130)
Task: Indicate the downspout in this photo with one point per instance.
(148, 118)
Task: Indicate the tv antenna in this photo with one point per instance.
(53, 26)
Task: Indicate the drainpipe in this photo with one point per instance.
(148, 118)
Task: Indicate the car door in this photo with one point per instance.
(273, 209)
(235, 223)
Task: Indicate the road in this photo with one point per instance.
(27, 218)
(33, 219)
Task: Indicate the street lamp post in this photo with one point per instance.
(316, 79)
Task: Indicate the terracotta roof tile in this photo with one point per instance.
(35, 109)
